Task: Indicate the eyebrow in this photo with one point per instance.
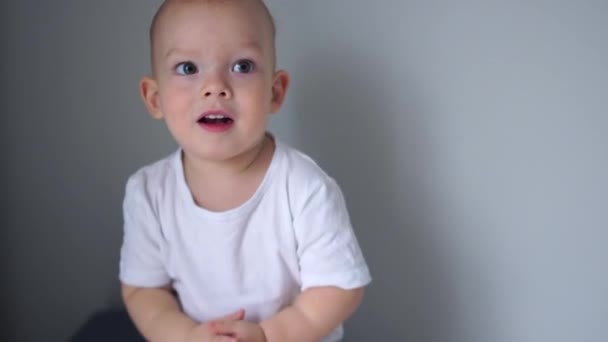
(177, 51)
(247, 46)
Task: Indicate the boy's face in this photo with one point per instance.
(214, 81)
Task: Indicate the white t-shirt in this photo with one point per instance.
(292, 234)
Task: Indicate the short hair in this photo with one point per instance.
(163, 8)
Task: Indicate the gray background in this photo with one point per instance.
(470, 138)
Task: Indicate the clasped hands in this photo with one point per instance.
(231, 328)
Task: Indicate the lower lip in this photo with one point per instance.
(216, 128)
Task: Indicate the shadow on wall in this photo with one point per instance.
(362, 133)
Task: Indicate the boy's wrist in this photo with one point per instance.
(264, 337)
(269, 329)
(198, 333)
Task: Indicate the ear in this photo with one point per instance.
(148, 89)
(279, 90)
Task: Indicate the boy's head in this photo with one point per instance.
(257, 7)
(213, 74)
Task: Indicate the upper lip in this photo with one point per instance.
(219, 112)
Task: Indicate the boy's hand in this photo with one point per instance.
(242, 331)
(203, 333)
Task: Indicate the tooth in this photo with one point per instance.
(213, 116)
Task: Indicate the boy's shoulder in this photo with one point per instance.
(154, 175)
(301, 169)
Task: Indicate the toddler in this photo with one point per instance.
(235, 236)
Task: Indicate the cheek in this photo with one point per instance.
(259, 100)
(255, 88)
(175, 98)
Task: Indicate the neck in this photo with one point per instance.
(234, 167)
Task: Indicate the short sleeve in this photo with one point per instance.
(141, 261)
(328, 251)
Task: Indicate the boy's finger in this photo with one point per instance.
(235, 316)
(224, 339)
(223, 327)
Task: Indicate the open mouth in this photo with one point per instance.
(215, 122)
(215, 119)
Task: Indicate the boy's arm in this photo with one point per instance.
(156, 313)
(315, 313)
(158, 317)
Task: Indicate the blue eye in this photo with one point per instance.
(186, 68)
(244, 66)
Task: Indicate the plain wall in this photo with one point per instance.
(470, 138)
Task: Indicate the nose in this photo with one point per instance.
(216, 86)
